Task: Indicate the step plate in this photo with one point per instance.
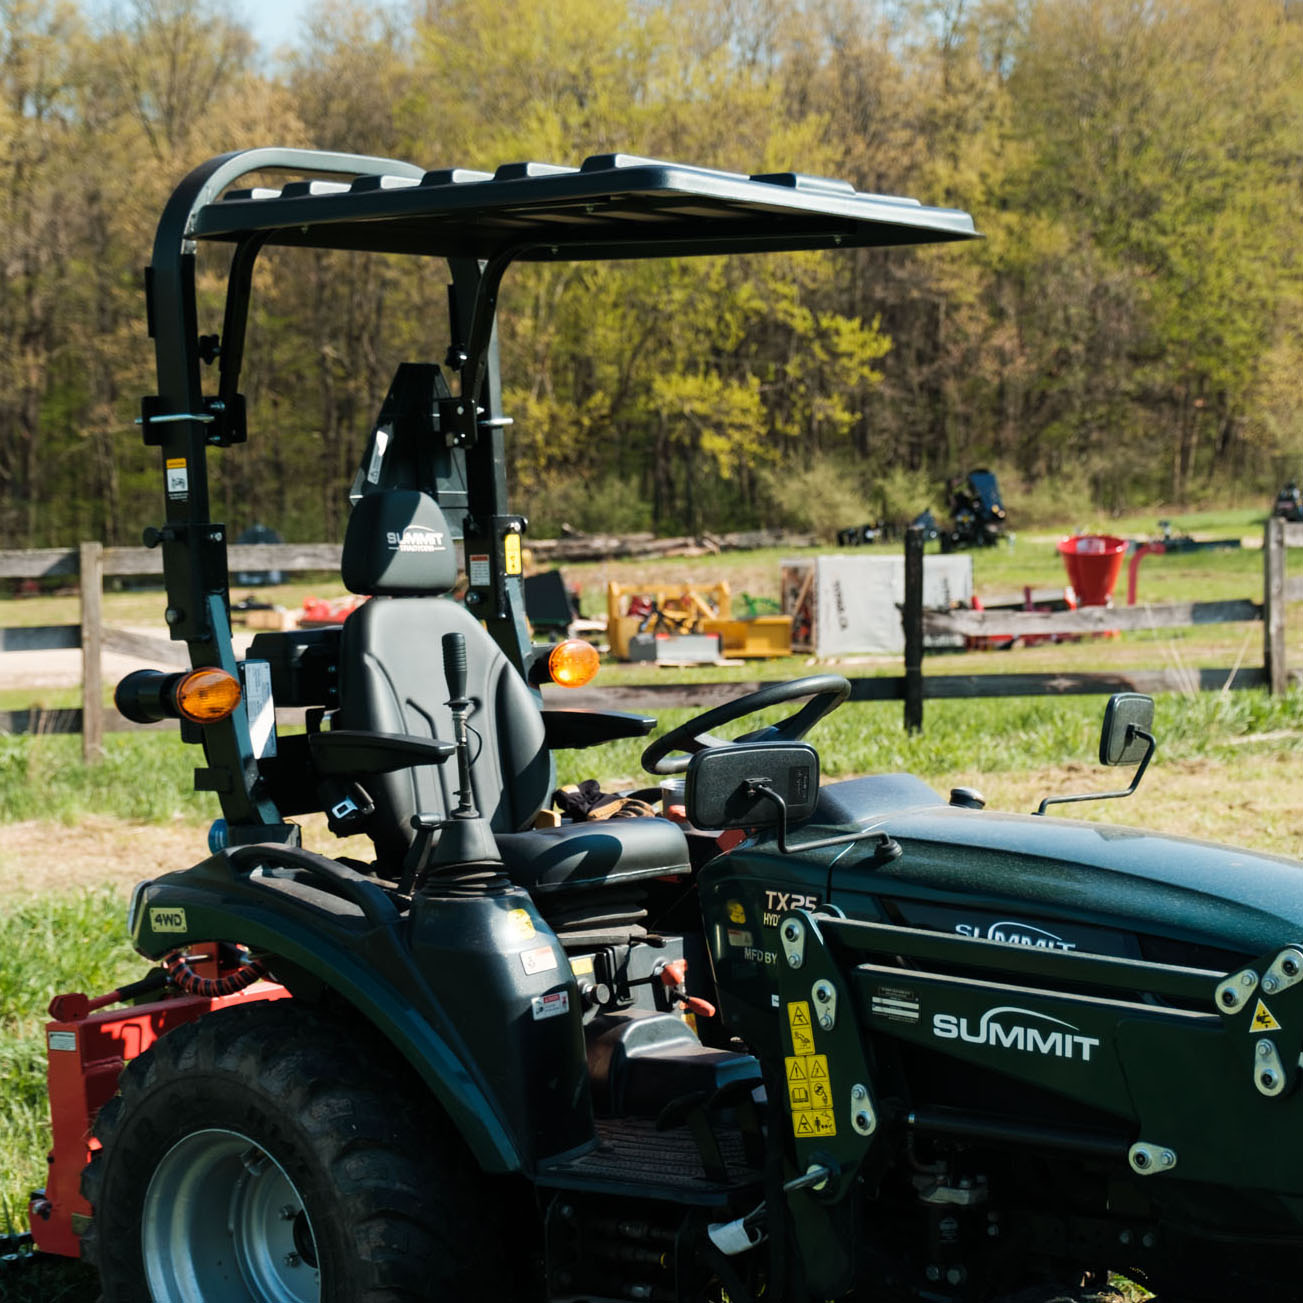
(633, 1158)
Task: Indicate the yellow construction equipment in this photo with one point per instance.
(689, 610)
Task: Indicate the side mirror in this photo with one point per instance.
(765, 785)
(1127, 738)
(720, 791)
(1127, 716)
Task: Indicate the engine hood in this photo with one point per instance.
(1076, 870)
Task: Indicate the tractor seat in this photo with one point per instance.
(577, 856)
(398, 549)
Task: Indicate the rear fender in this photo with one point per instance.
(334, 944)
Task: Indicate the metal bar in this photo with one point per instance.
(1073, 968)
(974, 1127)
(92, 681)
(1273, 601)
(912, 615)
(49, 637)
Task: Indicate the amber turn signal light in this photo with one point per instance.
(202, 696)
(207, 695)
(573, 663)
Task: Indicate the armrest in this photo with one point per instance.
(571, 730)
(352, 751)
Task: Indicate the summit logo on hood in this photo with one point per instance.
(415, 538)
(1011, 1028)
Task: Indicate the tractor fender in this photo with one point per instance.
(364, 960)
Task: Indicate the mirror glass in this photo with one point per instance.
(716, 790)
(1125, 712)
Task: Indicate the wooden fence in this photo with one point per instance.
(88, 565)
(91, 562)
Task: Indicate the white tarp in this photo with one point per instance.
(857, 599)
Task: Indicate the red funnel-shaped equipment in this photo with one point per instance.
(1094, 562)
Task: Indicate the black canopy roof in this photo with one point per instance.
(612, 206)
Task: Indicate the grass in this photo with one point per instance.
(143, 776)
(149, 776)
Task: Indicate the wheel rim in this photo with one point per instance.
(222, 1220)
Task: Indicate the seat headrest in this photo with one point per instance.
(398, 544)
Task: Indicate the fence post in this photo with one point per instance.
(91, 558)
(912, 615)
(1273, 605)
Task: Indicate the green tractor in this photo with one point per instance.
(807, 1041)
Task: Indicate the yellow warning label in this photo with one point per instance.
(511, 554)
(736, 914)
(520, 923)
(798, 1019)
(1263, 1020)
(173, 462)
(808, 1094)
(813, 1122)
(580, 963)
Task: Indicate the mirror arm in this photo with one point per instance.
(888, 847)
(1133, 731)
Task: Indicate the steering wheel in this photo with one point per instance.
(826, 693)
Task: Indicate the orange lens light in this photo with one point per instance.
(204, 696)
(573, 663)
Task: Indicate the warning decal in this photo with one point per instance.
(519, 923)
(511, 558)
(798, 1020)
(1263, 1020)
(178, 478)
(552, 1005)
(808, 1095)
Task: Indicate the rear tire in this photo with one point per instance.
(262, 1155)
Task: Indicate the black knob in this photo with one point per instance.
(454, 665)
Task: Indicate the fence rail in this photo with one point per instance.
(91, 562)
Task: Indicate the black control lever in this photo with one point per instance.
(454, 669)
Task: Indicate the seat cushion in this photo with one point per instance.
(583, 855)
(391, 681)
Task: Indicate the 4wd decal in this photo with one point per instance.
(164, 918)
(1011, 1028)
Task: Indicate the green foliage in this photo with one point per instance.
(1126, 334)
(820, 499)
(143, 776)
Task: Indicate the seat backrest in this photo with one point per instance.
(391, 678)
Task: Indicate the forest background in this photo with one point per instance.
(1129, 332)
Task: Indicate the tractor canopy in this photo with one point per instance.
(439, 433)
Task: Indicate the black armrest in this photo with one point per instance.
(571, 730)
(352, 751)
